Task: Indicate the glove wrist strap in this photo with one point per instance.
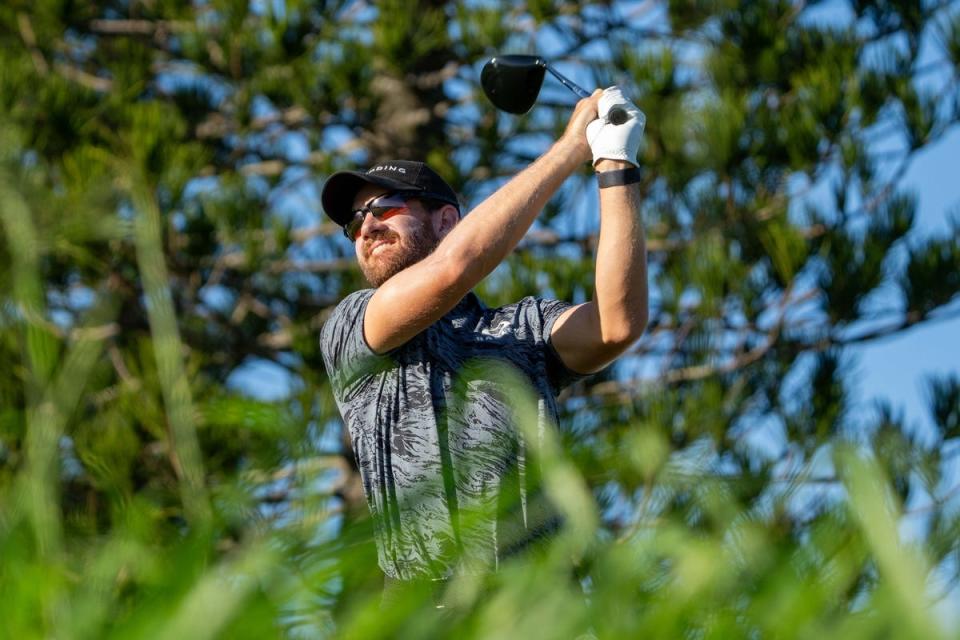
(618, 178)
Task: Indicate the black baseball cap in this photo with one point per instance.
(399, 175)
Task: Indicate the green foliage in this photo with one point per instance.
(945, 402)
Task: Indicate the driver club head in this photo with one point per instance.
(512, 82)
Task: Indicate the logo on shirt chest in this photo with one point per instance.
(499, 329)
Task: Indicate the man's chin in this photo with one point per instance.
(378, 271)
(375, 277)
(397, 256)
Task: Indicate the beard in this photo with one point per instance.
(399, 255)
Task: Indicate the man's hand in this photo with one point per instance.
(576, 132)
(616, 141)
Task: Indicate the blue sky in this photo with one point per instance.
(895, 368)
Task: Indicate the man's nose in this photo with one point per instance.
(371, 224)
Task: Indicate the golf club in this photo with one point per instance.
(512, 83)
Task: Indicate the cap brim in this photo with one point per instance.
(341, 188)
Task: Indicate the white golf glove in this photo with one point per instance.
(616, 141)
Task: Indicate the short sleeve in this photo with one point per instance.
(346, 354)
(560, 375)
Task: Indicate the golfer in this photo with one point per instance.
(446, 473)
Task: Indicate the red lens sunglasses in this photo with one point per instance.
(383, 207)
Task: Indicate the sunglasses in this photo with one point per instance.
(383, 207)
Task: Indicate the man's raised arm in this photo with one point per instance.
(418, 296)
(591, 335)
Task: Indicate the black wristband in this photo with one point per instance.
(618, 178)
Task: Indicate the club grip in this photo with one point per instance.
(617, 115)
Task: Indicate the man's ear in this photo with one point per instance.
(446, 219)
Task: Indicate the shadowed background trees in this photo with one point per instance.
(166, 270)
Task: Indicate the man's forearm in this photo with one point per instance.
(621, 270)
(485, 237)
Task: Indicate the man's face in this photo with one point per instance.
(386, 247)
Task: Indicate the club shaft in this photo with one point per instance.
(616, 115)
(569, 84)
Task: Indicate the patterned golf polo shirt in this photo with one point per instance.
(449, 477)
